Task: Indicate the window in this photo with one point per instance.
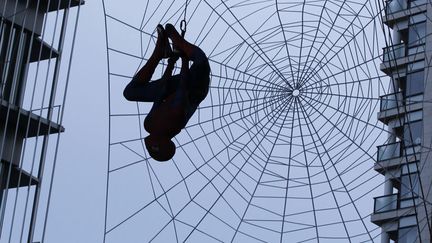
(410, 150)
(408, 235)
(416, 66)
(417, 18)
(416, 38)
(414, 116)
(415, 83)
(407, 182)
(414, 3)
(409, 190)
(413, 133)
(416, 34)
(409, 168)
(407, 221)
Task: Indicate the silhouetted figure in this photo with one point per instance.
(175, 98)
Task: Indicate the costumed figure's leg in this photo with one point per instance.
(139, 89)
(192, 52)
(199, 72)
(181, 97)
(170, 67)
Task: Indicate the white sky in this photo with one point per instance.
(77, 212)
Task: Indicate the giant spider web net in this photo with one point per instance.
(283, 147)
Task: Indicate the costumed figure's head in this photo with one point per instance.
(160, 148)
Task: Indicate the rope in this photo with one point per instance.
(183, 23)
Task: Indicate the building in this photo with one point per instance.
(404, 211)
(34, 48)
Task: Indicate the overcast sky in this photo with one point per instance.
(77, 212)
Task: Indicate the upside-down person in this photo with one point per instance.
(175, 97)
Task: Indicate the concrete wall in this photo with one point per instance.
(425, 166)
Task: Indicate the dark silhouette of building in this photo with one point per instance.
(32, 56)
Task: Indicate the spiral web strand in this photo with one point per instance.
(283, 147)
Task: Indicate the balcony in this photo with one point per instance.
(19, 124)
(19, 12)
(396, 58)
(388, 208)
(394, 106)
(397, 11)
(385, 203)
(29, 123)
(395, 156)
(400, 73)
(390, 157)
(391, 53)
(384, 166)
(17, 177)
(389, 151)
(391, 101)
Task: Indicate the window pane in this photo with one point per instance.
(407, 221)
(395, 6)
(416, 49)
(416, 35)
(408, 202)
(416, 66)
(414, 116)
(406, 182)
(413, 133)
(415, 83)
(417, 18)
(411, 150)
(408, 235)
(414, 3)
(409, 168)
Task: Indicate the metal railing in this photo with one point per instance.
(397, 150)
(391, 101)
(386, 203)
(393, 202)
(389, 151)
(393, 52)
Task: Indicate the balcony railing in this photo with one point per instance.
(393, 202)
(386, 203)
(391, 101)
(389, 151)
(393, 52)
(394, 6)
